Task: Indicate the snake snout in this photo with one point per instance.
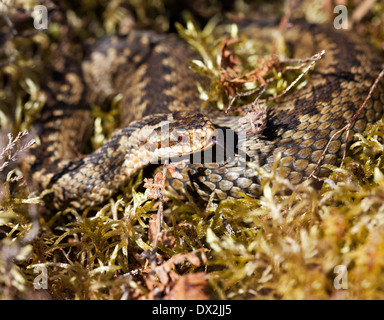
(188, 133)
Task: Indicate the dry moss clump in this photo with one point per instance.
(291, 243)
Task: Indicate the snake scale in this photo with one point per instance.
(151, 72)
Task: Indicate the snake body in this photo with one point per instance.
(151, 72)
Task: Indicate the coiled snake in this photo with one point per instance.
(151, 72)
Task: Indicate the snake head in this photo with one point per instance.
(185, 133)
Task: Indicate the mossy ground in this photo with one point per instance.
(276, 247)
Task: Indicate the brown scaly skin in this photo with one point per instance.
(151, 71)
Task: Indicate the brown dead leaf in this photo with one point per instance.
(166, 272)
(154, 186)
(165, 238)
(229, 70)
(157, 184)
(265, 66)
(189, 287)
(228, 61)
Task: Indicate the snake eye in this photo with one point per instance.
(180, 138)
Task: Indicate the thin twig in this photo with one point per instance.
(263, 87)
(157, 190)
(313, 59)
(347, 128)
(160, 219)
